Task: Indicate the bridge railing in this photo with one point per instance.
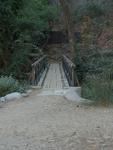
(38, 68)
(70, 71)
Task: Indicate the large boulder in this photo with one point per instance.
(13, 96)
(2, 99)
(73, 94)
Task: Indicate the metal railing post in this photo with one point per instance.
(73, 77)
(69, 69)
(38, 68)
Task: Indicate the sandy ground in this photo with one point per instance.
(53, 123)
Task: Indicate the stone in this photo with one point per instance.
(2, 99)
(25, 95)
(13, 96)
(29, 91)
(72, 95)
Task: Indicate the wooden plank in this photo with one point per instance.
(54, 78)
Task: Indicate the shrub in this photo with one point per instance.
(9, 84)
(98, 89)
(95, 74)
(94, 10)
(91, 9)
(95, 64)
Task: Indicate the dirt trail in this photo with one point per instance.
(53, 123)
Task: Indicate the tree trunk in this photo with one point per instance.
(67, 18)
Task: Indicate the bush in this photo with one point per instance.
(91, 9)
(24, 26)
(95, 64)
(94, 10)
(95, 74)
(98, 89)
(9, 84)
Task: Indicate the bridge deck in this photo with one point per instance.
(55, 78)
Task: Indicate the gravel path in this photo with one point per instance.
(53, 123)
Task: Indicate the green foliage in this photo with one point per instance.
(94, 10)
(92, 64)
(9, 84)
(94, 68)
(98, 89)
(81, 64)
(90, 9)
(97, 84)
(24, 26)
(7, 28)
(17, 5)
(39, 13)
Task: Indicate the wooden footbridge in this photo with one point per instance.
(53, 75)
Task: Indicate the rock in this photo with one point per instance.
(13, 96)
(2, 99)
(78, 90)
(25, 94)
(29, 92)
(72, 95)
(98, 127)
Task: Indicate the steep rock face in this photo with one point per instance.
(105, 41)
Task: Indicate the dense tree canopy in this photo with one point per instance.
(23, 27)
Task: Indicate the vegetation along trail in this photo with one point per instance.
(53, 123)
(56, 48)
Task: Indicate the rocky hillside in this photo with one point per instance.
(94, 21)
